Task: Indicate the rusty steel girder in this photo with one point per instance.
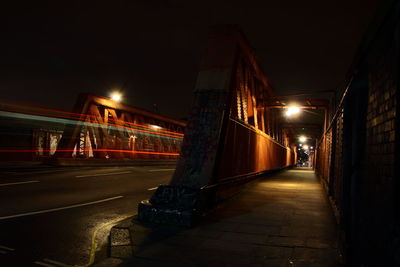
(307, 103)
(230, 135)
(107, 129)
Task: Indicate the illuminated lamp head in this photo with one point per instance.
(116, 96)
(292, 110)
(302, 139)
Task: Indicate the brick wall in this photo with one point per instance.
(324, 157)
(379, 162)
(358, 157)
(337, 163)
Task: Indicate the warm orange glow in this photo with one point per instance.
(116, 96)
(302, 139)
(144, 131)
(292, 111)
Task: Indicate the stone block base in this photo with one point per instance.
(150, 213)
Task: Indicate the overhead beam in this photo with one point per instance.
(278, 102)
(301, 125)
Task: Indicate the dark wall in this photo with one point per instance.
(14, 136)
(359, 155)
(379, 188)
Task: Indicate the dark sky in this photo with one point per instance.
(150, 50)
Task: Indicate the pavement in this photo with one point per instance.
(281, 220)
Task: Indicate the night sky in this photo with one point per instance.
(151, 50)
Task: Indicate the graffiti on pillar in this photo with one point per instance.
(203, 135)
(180, 197)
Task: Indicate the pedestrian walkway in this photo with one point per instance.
(280, 220)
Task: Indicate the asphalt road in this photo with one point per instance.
(48, 216)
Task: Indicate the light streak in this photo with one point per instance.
(80, 115)
(86, 150)
(42, 114)
(13, 114)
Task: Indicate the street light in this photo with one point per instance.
(292, 111)
(116, 96)
(302, 139)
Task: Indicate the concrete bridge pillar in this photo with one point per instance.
(223, 141)
(177, 202)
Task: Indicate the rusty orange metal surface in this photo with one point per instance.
(250, 151)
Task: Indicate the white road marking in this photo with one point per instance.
(27, 182)
(57, 263)
(40, 172)
(153, 188)
(161, 170)
(7, 248)
(61, 208)
(101, 174)
(44, 264)
(49, 171)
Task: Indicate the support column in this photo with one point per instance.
(180, 201)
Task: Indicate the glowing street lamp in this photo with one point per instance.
(292, 111)
(116, 96)
(302, 139)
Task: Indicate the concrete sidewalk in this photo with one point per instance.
(280, 220)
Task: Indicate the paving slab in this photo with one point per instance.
(280, 220)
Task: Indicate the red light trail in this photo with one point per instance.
(79, 117)
(175, 135)
(87, 150)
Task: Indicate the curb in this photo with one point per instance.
(120, 240)
(129, 236)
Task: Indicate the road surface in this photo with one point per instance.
(48, 216)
